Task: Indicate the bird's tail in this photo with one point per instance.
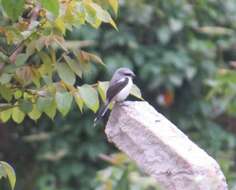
(101, 113)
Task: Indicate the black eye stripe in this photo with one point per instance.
(128, 74)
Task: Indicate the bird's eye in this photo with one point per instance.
(129, 74)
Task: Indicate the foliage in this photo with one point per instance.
(223, 92)
(37, 74)
(179, 51)
(38, 70)
(6, 171)
(123, 175)
(59, 155)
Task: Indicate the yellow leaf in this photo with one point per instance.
(80, 13)
(114, 5)
(69, 14)
(10, 173)
(17, 115)
(35, 113)
(10, 37)
(60, 24)
(91, 15)
(102, 14)
(113, 24)
(102, 88)
(79, 101)
(89, 96)
(5, 115)
(135, 91)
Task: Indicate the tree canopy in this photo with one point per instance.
(38, 68)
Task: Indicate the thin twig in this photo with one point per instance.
(4, 107)
(4, 51)
(20, 46)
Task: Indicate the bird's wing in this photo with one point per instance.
(115, 88)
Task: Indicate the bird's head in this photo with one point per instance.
(125, 72)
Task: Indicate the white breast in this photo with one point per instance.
(124, 93)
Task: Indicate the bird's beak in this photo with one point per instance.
(133, 75)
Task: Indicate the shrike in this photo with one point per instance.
(118, 89)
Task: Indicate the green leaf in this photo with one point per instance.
(5, 115)
(52, 110)
(47, 105)
(13, 8)
(73, 65)
(80, 13)
(114, 5)
(36, 77)
(65, 73)
(135, 91)
(5, 78)
(35, 114)
(17, 115)
(10, 68)
(103, 15)
(123, 183)
(64, 101)
(60, 24)
(90, 15)
(79, 101)
(25, 106)
(9, 173)
(6, 92)
(44, 103)
(46, 67)
(51, 5)
(89, 96)
(18, 94)
(102, 88)
(21, 59)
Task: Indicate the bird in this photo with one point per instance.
(118, 89)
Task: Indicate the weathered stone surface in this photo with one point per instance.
(161, 149)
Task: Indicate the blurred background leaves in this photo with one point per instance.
(183, 53)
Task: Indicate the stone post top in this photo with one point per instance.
(161, 150)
